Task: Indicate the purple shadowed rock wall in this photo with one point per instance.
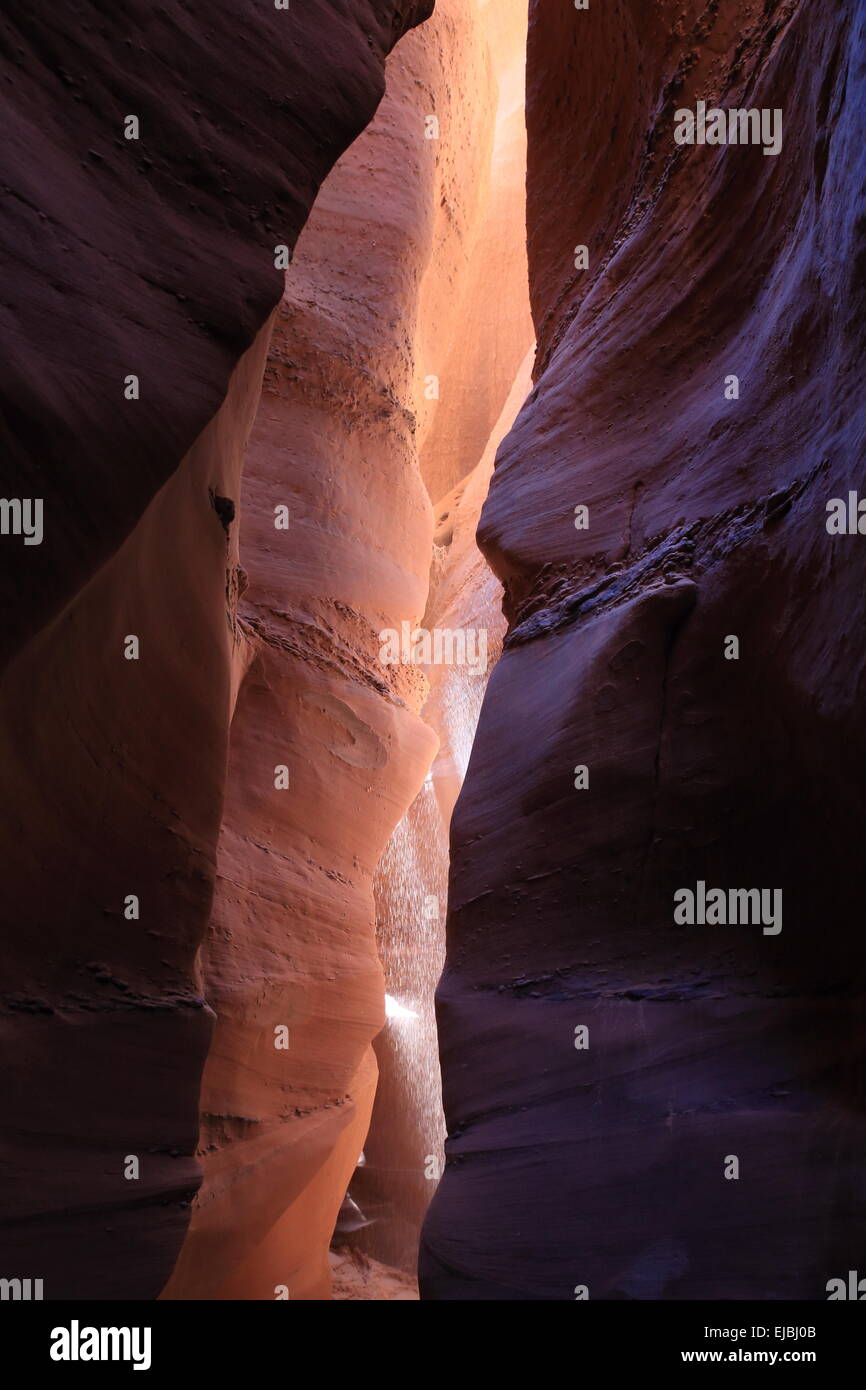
(599, 1163)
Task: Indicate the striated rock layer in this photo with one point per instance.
(154, 258)
(601, 1169)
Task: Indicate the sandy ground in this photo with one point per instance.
(357, 1276)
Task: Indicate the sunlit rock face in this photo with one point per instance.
(603, 1064)
(404, 1148)
(386, 278)
(152, 257)
(474, 324)
(293, 941)
(474, 333)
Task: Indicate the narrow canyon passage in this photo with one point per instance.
(399, 358)
(433, 564)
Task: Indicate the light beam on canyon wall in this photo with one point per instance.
(482, 356)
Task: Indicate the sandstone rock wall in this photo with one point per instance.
(155, 258)
(473, 329)
(474, 325)
(336, 441)
(602, 1168)
(393, 282)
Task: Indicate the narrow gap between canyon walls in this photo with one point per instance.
(399, 358)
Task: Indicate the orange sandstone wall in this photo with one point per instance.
(292, 940)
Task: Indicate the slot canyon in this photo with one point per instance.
(433, 781)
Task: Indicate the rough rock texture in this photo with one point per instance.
(604, 1167)
(155, 258)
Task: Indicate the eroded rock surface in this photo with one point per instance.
(604, 1167)
(152, 257)
(390, 288)
(474, 327)
(292, 941)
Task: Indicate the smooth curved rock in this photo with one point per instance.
(603, 1168)
(292, 942)
(152, 257)
(473, 327)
